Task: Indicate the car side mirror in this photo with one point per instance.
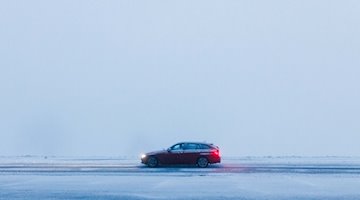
(169, 150)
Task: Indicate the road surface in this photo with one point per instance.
(235, 178)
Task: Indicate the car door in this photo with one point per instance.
(174, 154)
(190, 153)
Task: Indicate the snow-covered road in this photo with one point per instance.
(125, 178)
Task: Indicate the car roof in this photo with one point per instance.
(196, 143)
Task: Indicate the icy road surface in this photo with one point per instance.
(236, 178)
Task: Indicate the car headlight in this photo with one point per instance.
(143, 156)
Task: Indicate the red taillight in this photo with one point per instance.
(216, 153)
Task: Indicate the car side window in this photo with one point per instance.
(190, 146)
(204, 146)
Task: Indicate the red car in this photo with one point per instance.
(185, 153)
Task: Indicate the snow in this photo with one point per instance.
(124, 178)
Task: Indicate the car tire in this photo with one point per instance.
(202, 162)
(152, 162)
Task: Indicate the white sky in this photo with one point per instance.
(122, 77)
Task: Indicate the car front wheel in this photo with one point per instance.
(202, 162)
(152, 162)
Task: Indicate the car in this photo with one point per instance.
(184, 153)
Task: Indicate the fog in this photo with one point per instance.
(113, 78)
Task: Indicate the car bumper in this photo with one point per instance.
(214, 160)
(144, 160)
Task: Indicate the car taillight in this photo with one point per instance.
(217, 153)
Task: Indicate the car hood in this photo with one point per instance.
(157, 152)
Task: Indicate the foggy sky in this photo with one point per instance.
(109, 78)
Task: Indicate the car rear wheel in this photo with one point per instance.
(152, 162)
(202, 162)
